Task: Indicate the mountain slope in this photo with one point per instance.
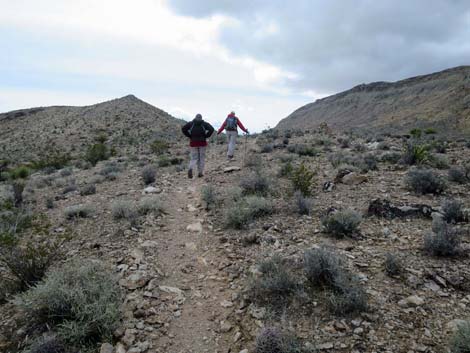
(441, 100)
(127, 122)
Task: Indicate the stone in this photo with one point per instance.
(191, 246)
(411, 301)
(194, 227)
(128, 338)
(244, 351)
(225, 326)
(136, 280)
(325, 346)
(231, 169)
(354, 179)
(120, 348)
(106, 348)
(226, 304)
(191, 208)
(172, 290)
(152, 190)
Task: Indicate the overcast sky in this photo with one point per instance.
(261, 58)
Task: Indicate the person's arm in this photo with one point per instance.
(210, 130)
(185, 130)
(240, 125)
(222, 128)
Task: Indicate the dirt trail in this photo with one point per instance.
(194, 262)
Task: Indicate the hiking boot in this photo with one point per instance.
(229, 157)
(200, 175)
(190, 174)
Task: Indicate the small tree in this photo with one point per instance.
(302, 180)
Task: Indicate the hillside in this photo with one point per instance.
(126, 122)
(440, 99)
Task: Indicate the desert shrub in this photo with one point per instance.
(359, 147)
(110, 171)
(256, 184)
(273, 340)
(246, 210)
(253, 161)
(302, 150)
(414, 153)
(303, 205)
(80, 302)
(150, 204)
(21, 172)
(453, 211)
(384, 146)
(66, 172)
(14, 220)
(457, 174)
(70, 187)
(286, 169)
(27, 264)
(321, 267)
(159, 147)
(344, 142)
(348, 296)
(460, 341)
(209, 196)
(276, 285)
(48, 344)
(439, 162)
(369, 162)
(123, 209)
(443, 241)
(148, 174)
(50, 203)
(78, 211)
(302, 179)
(89, 189)
(165, 161)
(338, 158)
(467, 144)
(392, 265)
(342, 223)
(96, 152)
(52, 160)
(440, 146)
(391, 157)
(18, 189)
(268, 148)
(425, 181)
(430, 131)
(416, 133)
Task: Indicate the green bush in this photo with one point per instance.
(276, 285)
(21, 172)
(97, 152)
(430, 131)
(342, 223)
(53, 159)
(80, 302)
(246, 210)
(425, 181)
(416, 133)
(414, 153)
(302, 179)
(286, 169)
(159, 147)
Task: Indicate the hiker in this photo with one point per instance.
(198, 131)
(231, 125)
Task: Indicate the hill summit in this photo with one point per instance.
(126, 122)
(439, 100)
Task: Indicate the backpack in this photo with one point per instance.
(231, 123)
(203, 129)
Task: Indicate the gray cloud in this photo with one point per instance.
(333, 45)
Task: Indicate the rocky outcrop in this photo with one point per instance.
(440, 100)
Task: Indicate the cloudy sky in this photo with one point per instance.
(261, 58)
